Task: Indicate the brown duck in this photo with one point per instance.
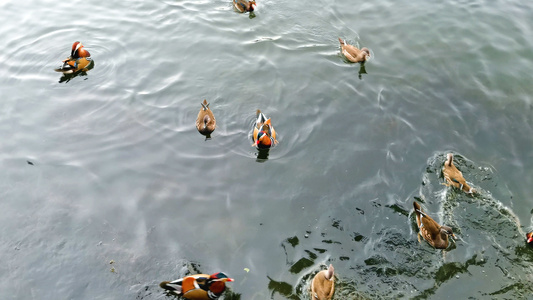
(323, 284)
(354, 54)
(454, 177)
(205, 122)
(244, 5)
(435, 234)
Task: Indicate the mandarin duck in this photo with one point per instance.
(244, 5)
(353, 54)
(205, 122)
(323, 284)
(263, 135)
(78, 60)
(454, 177)
(435, 234)
(199, 286)
(529, 238)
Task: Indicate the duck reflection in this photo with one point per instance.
(262, 155)
(362, 70)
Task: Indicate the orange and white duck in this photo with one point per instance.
(78, 60)
(323, 284)
(205, 122)
(244, 5)
(529, 238)
(199, 286)
(263, 135)
(435, 234)
(454, 177)
(354, 54)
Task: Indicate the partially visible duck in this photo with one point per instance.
(244, 5)
(263, 135)
(199, 286)
(353, 54)
(205, 122)
(78, 60)
(435, 234)
(529, 238)
(454, 177)
(323, 284)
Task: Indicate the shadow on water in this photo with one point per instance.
(262, 155)
(362, 70)
(68, 77)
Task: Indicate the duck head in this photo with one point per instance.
(529, 238)
(449, 159)
(252, 4)
(263, 140)
(446, 230)
(218, 282)
(78, 51)
(367, 53)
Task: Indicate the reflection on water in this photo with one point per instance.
(262, 155)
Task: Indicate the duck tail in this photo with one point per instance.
(257, 113)
(173, 286)
(205, 105)
(341, 41)
(417, 207)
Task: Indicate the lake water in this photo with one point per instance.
(107, 188)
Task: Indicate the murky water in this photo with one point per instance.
(107, 166)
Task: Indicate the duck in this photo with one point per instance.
(354, 54)
(435, 234)
(198, 286)
(454, 177)
(205, 122)
(263, 135)
(529, 238)
(323, 284)
(244, 5)
(78, 60)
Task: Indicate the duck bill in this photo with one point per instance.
(530, 239)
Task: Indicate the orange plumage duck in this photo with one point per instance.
(79, 60)
(454, 177)
(199, 286)
(244, 5)
(205, 122)
(263, 135)
(435, 234)
(529, 238)
(354, 54)
(323, 284)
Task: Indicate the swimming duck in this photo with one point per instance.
(263, 135)
(205, 122)
(78, 60)
(199, 286)
(323, 284)
(353, 54)
(435, 234)
(529, 238)
(454, 177)
(244, 5)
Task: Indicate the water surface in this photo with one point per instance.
(119, 173)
